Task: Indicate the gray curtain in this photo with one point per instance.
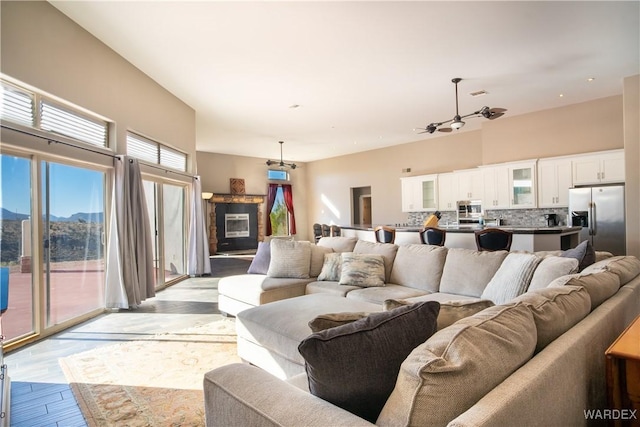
(130, 277)
(198, 261)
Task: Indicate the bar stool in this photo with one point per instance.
(326, 230)
(384, 234)
(433, 236)
(335, 230)
(493, 239)
(317, 231)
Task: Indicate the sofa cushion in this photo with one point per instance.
(600, 285)
(550, 269)
(377, 295)
(556, 310)
(289, 259)
(362, 269)
(338, 243)
(260, 262)
(625, 267)
(458, 365)
(512, 278)
(317, 259)
(419, 266)
(584, 253)
(467, 272)
(330, 287)
(450, 312)
(355, 366)
(387, 250)
(331, 267)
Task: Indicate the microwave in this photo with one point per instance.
(469, 211)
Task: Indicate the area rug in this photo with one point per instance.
(152, 382)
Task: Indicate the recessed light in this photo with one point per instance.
(294, 106)
(590, 79)
(561, 95)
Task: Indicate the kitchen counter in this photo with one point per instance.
(529, 239)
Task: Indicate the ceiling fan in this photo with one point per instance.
(456, 122)
(281, 164)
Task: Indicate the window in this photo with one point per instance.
(277, 175)
(18, 107)
(279, 215)
(150, 151)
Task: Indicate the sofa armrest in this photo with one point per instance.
(242, 395)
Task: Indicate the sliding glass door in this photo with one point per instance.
(16, 246)
(73, 241)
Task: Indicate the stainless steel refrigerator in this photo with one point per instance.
(600, 213)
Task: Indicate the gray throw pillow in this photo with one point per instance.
(355, 366)
(260, 262)
(584, 253)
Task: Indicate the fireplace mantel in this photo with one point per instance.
(258, 199)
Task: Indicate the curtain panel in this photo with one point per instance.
(130, 273)
(198, 262)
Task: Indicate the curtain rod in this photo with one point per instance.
(114, 156)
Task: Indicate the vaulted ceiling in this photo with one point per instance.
(331, 78)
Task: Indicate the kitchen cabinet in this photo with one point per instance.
(470, 184)
(496, 187)
(599, 168)
(447, 191)
(554, 181)
(419, 193)
(522, 184)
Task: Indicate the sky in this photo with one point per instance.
(71, 189)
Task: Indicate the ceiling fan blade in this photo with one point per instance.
(445, 129)
(497, 112)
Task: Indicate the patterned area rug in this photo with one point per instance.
(154, 382)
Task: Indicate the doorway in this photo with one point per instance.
(361, 205)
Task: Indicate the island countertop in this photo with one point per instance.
(529, 239)
(471, 229)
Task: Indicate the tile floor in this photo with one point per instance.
(40, 394)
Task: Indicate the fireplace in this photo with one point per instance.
(236, 225)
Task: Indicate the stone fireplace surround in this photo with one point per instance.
(234, 198)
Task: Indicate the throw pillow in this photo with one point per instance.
(331, 267)
(584, 253)
(550, 269)
(450, 311)
(512, 278)
(317, 259)
(355, 366)
(387, 250)
(419, 266)
(457, 366)
(289, 259)
(260, 262)
(467, 272)
(331, 320)
(363, 270)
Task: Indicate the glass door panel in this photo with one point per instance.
(173, 214)
(73, 241)
(522, 187)
(15, 246)
(151, 197)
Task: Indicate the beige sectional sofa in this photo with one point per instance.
(535, 358)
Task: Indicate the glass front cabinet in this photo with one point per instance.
(522, 184)
(419, 193)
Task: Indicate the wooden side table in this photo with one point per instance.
(623, 377)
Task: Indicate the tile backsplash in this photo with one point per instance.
(513, 217)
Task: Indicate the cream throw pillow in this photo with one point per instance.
(512, 278)
(289, 259)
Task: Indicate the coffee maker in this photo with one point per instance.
(552, 219)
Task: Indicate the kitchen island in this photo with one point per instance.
(530, 239)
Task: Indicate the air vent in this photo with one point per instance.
(478, 93)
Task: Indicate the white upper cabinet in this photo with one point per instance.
(522, 184)
(599, 168)
(470, 184)
(554, 182)
(419, 193)
(496, 187)
(447, 191)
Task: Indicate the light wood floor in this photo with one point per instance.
(40, 394)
